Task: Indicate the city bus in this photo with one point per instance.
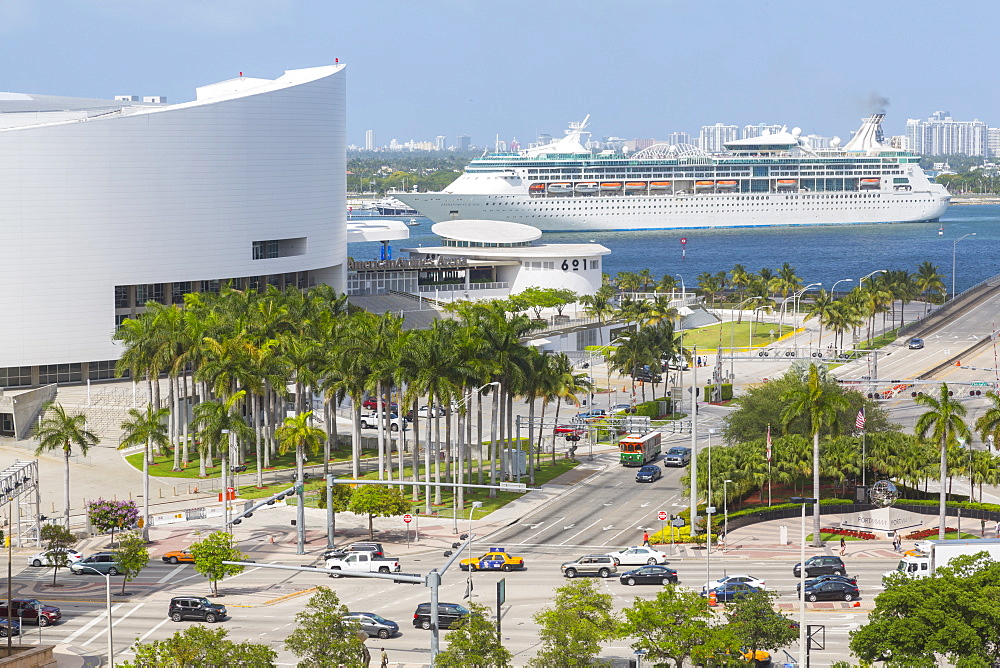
(638, 449)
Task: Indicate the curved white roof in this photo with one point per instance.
(380, 230)
(486, 231)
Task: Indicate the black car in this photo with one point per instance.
(448, 614)
(678, 456)
(650, 574)
(821, 565)
(731, 591)
(648, 474)
(826, 578)
(832, 590)
(195, 607)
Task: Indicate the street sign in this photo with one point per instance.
(662, 515)
(407, 518)
(514, 486)
(678, 522)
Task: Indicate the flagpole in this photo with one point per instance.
(768, 466)
(863, 448)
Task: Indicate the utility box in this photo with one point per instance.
(516, 461)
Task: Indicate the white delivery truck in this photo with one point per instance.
(938, 553)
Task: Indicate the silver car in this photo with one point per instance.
(374, 625)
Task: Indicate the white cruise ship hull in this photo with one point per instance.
(582, 213)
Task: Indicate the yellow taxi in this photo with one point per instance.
(178, 557)
(497, 559)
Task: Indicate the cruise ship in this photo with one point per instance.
(773, 180)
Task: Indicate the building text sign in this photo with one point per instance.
(422, 263)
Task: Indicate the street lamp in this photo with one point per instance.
(953, 246)
(869, 275)
(225, 482)
(725, 509)
(475, 504)
(454, 492)
(804, 501)
(834, 288)
(111, 647)
(797, 303)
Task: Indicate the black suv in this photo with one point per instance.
(821, 565)
(362, 546)
(448, 615)
(195, 607)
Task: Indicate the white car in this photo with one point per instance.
(43, 559)
(741, 578)
(638, 556)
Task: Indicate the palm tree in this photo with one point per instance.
(145, 428)
(944, 421)
(739, 278)
(668, 283)
(929, 282)
(787, 280)
(60, 430)
(297, 432)
(821, 308)
(988, 424)
(821, 402)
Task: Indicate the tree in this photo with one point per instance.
(573, 629)
(57, 540)
(209, 554)
(821, 402)
(943, 421)
(756, 625)
(199, 646)
(671, 626)
(297, 432)
(377, 501)
(60, 430)
(106, 515)
(915, 621)
(145, 428)
(132, 556)
(324, 636)
(473, 643)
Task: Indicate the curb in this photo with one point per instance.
(275, 601)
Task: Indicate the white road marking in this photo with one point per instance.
(114, 622)
(152, 630)
(608, 528)
(171, 574)
(86, 627)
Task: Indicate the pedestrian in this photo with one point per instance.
(645, 538)
(385, 659)
(897, 543)
(843, 546)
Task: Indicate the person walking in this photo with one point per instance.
(843, 546)
(385, 659)
(645, 538)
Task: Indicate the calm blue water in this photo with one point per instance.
(819, 254)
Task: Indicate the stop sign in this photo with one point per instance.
(662, 515)
(407, 518)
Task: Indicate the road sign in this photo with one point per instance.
(407, 518)
(514, 486)
(662, 515)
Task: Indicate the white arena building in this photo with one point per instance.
(106, 204)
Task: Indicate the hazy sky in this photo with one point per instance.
(641, 68)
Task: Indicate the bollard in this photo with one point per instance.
(712, 600)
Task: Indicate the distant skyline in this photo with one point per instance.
(641, 68)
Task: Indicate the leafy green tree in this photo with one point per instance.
(756, 625)
(821, 402)
(944, 422)
(209, 554)
(473, 643)
(146, 428)
(132, 556)
(324, 636)
(57, 539)
(200, 647)
(61, 431)
(377, 501)
(574, 627)
(671, 626)
(110, 515)
(947, 615)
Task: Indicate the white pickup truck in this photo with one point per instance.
(370, 420)
(363, 562)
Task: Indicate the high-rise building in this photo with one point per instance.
(463, 142)
(942, 135)
(993, 142)
(713, 137)
(108, 205)
(677, 138)
(439, 143)
(369, 140)
(750, 131)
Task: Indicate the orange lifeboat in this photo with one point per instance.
(635, 185)
(786, 182)
(613, 185)
(536, 188)
(659, 185)
(726, 184)
(704, 184)
(870, 182)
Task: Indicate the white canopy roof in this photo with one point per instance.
(486, 231)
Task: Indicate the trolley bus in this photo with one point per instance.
(638, 449)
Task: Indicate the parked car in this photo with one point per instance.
(371, 403)
(374, 625)
(103, 562)
(571, 432)
(30, 610)
(832, 590)
(654, 574)
(426, 412)
(14, 629)
(821, 565)
(177, 556)
(678, 456)
(675, 363)
(623, 408)
(47, 558)
(360, 546)
(728, 593)
(742, 578)
(370, 421)
(195, 607)
(648, 473)
(592, 414)
(592, 564)
(915, 344)
(638, 555)
(497, 559)
(448, 614)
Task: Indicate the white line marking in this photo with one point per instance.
(114, 622)
(83, 629)
(171, 574)
(150, 631)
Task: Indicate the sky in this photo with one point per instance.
(641, 68)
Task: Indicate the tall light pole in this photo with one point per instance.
(454, 492)
(725, 509)
(694, 434)
(953, 247)
(798, 298)
(225, 482)
(834, 288)
(111, 646)
(870, 274)
(680, 337)
(804, 501)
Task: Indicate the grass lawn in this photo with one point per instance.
(162, 466)
(546, 472)
(734, 334)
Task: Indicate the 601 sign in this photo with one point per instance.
(575, 265)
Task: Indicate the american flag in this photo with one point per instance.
(768, 442)
(860, 422)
